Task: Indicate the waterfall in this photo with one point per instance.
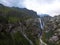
(41, 23)
(42, 27)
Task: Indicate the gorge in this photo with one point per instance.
(20, 26)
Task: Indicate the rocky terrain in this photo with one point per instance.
(19, 26)
(51, 32)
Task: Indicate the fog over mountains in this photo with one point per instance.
(51, 7)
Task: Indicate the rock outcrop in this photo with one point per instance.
(51, 33)
(19, 26)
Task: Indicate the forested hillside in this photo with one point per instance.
(18, 26)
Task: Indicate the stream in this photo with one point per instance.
(41, 42)
(42, 27)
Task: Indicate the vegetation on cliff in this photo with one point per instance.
(51, 32)
(18, 26)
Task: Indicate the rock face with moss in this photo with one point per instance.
(51, 33)
(19, 26)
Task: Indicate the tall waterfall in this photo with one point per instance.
(41, 23)
(42, 27)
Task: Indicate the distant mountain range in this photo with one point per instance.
(43, 15)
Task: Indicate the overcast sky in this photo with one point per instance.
(51, 7)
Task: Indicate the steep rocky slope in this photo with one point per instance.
(19, 26)
(51, 33)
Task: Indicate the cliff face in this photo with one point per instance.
(51, 31)
(19, 26)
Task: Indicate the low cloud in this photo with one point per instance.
(51, 7)
(16, 3)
